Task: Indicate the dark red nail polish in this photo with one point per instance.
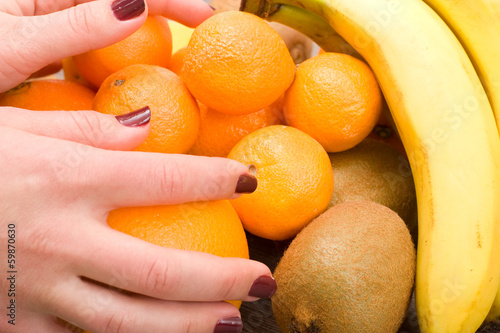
(137, 118)
(264, 287)
(128, 9)
(246, 184)
(229, 325)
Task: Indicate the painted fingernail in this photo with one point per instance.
(229, 325)
(128, 9)
(136, 118)
(246, 184)
(264, 287)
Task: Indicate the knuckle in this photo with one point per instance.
(171, 180)
(89, 126)
(18, 48)
(37, 241)
(227, 285)
(79, 20)
(157, 278)
(117, 322)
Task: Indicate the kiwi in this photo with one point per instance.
(350, 270)
(376, 171)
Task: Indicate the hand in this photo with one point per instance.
(36, 33)
(57, 190)
(62, 172)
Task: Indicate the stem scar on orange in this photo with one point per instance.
(237, 63)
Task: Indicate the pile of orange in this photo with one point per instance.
(233, 91)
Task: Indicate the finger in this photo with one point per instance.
(98, 308)
(128, 263)
(123, 179)
(75, 30)
(187, 12)
(41, 8)
(88, 127)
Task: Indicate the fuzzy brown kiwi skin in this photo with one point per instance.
(376, 171)
(350, 270)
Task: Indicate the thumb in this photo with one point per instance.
(92, 128)
(41, 40)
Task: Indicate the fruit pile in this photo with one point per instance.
(396, 114)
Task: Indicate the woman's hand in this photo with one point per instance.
(62, 172)
(59, 181)
(36, 33)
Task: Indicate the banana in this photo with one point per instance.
(448, 130)
(476, 23)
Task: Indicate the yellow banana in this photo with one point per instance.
(448, 130)
(476, 23)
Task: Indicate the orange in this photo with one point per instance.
(175, 116)
(47, 95)
(295, 181)
(219, 132)
(71, 73)
(177, 61)
(237, 63)
(335, 98)
(151, 44)
(207, 226)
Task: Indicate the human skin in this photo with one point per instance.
(63, 171)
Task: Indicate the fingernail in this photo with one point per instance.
(264, 287)
(229, 325)
(246, 184)
(127, 9)
(137, 118)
